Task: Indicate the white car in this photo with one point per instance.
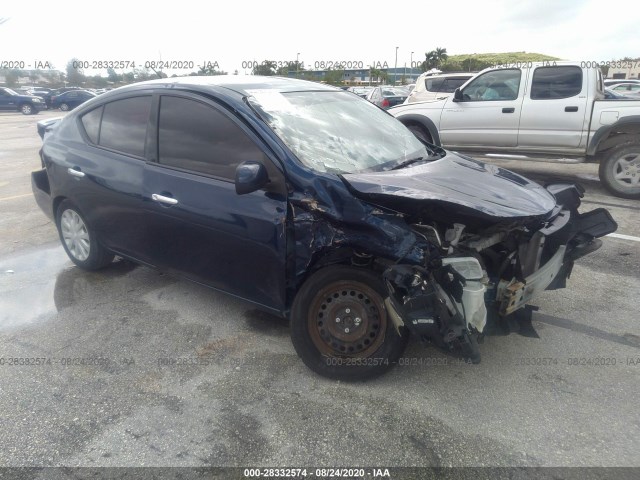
(628, 89)
(437, 87)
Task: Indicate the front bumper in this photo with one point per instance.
(568, 237)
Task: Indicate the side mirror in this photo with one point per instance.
(457, 95)
(250, 176)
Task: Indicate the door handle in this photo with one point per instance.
(75, 173)
(508, 110)
(162, 199)
(570, 109)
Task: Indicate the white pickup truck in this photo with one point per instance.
(548, 110)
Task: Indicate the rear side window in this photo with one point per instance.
(91, 123)
(195, 136)
(434, 84)
(124, 125)
(552, 83)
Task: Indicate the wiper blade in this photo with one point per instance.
(406, 163)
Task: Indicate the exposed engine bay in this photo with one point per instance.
(476, 275)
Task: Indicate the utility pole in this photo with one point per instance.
(297, 65)
(395, 66)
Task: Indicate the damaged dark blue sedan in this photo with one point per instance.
(313, 204)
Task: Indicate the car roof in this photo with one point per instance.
(242, 84)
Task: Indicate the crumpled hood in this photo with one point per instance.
(458, 180)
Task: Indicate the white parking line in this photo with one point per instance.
(624, 237)
(16, 196)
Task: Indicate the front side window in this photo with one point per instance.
(124, 125)
(495, 85)
(553, 83)
(195, 136)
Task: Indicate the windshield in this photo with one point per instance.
(337, 132)
(9, 91)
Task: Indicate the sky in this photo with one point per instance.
(233, 34)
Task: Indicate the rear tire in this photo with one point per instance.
(620, 170)
(64, 107)
(339, 325)
(420, 132)
(79, 240)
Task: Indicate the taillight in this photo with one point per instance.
(385, 103)
(53, 97)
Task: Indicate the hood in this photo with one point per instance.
(460, 181)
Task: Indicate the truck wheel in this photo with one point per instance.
(420, 132)
(339, 325)
(620, 170)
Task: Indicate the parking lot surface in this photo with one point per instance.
(140, 368)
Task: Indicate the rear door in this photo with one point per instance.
(488, 115)
(105, 171)
(196, 224)
(554, 113)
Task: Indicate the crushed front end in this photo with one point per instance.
(486, 272)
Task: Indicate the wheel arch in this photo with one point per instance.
(625, 130)
(345, 256)
(421, 120)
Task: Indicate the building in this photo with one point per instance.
(362, 76)
(628, 70)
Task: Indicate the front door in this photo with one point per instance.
(196, 223)
(489, 113)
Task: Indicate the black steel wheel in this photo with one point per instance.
(339, 325)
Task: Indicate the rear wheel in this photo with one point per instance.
(620, 170)
(420, 132)
(339, 325)
(64, 107)
(79, 240)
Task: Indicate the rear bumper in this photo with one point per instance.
(42, 192)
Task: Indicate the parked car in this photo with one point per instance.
(13, 101)
(310, 204)
(71, 99)
(431, 87)
(546, 111)
(44, 93)
(627, 89)
(362, 91)
(611, 95)
(385, 96)
(610, 82)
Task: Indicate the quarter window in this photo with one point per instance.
(124, 125)
(552, 83)
(91, 123)
(195, 136)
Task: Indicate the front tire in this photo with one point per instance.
(339, 325)
(79, 240)
(27, 109)
(620, 170)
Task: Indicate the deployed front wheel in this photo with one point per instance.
(78, 240)
(620, 170)
(339, 325)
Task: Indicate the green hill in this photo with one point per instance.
(478, 61)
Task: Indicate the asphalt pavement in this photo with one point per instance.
(139, 368)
